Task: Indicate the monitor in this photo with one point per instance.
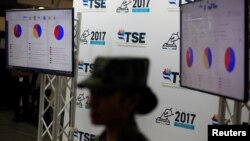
(214, 47)
(40, 40)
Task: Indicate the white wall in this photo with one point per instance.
(192, 110)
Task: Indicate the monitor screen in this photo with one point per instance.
(40, 40)
(214, 47)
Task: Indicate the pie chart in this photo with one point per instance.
(17, 31)
(37, 31)
(189, 57)
(207, 58)
(229, 59)
(58, 32)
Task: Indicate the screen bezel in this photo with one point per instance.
(245, 95)
(42, 70)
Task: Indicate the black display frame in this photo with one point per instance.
(245, 96)
(60, 72)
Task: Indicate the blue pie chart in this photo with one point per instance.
(58, 32)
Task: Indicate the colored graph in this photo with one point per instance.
(17, 31)
(37, 31)
(207, 58)
(189, 57)
(58, 32)
(229, 59)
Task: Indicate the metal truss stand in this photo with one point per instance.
(235, 117)
(55, 105)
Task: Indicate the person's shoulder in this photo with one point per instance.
(133, 134)
(140, 137)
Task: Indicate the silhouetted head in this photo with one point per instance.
(127, 74)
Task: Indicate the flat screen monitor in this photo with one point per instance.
(40, 40)
(214, 47)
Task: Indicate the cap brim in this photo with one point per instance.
(90, 82)
(148, 102)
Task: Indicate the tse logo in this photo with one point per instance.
(95, 3)
(86, 67)
(135, 37)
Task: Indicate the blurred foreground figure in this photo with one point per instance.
(21, 92)
(118, 91)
